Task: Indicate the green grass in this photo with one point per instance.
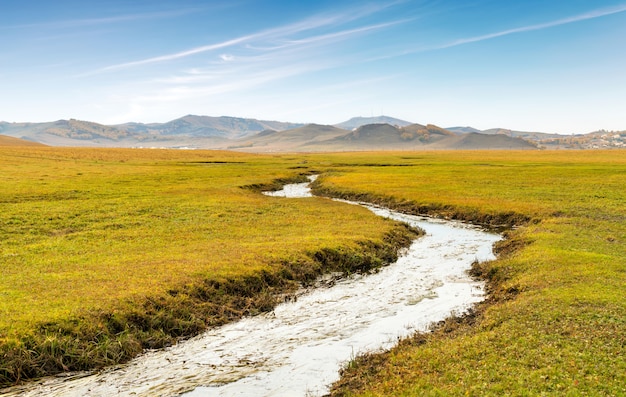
(123, 249)
(105, 252)
(556, 320)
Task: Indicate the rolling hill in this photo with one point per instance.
(382, 136)
(244, 134)
(190, 130)
(11, 141)
(462, 130)
(504, 131)
(270, 140)
(68, 133)
(357, 122)
(601, 139)
(416, 137)
(206, 126)
(476, 141)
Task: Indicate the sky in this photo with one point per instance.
(534, 65)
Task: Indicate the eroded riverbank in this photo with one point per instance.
(298, 348)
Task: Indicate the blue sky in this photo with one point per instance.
(533, 65)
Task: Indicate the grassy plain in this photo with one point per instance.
(104, 252)
(556, 320)
(97, 231)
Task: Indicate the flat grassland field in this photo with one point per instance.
(107, 251)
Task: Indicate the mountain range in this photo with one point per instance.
(245, 134)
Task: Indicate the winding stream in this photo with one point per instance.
(297, 349)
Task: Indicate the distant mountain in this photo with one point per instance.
(22, 130)
(593, 140)
(358, 133)
(462, 130)
(206, 126)
(71, 133)
(480, 141)
(388, 137)
(504, 131)
(357, 122)
(85, 130)
(520, 134)
(373, 135)
(188, 131)
(369, 137)
(289, 139)
(427, 134)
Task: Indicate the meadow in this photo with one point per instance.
(106, 252)
(555, 321)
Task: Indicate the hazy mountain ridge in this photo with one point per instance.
(391, 135)
(462, 130)
(207, 126)
(357, 122)
(358, 133)
(6, 140)
(190, 130)
(85, 130)
(477, 141)
(291, 139)
(601, 139)
(314, 137)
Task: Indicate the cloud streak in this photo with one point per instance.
(174, 56)
(279, 34)
(262, 57)
(345, 33)
(578, 18)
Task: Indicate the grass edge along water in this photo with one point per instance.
(554, 323)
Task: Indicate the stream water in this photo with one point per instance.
(298, 349)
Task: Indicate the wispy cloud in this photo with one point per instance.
(177, 55)
(578, 18)
(247, 62)
(276, 38)
(345, 33)
(188, 91)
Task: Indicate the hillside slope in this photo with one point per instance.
(476, 141)
(293, 139)
(357, 122)
(188, 131)
(252, 135)
(11, 141)
(207, 126)
(414, 137)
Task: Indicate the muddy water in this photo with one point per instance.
(297, 349)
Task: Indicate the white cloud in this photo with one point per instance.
(251, 61)
(266, 39)
(170, 57)
(582, 17)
